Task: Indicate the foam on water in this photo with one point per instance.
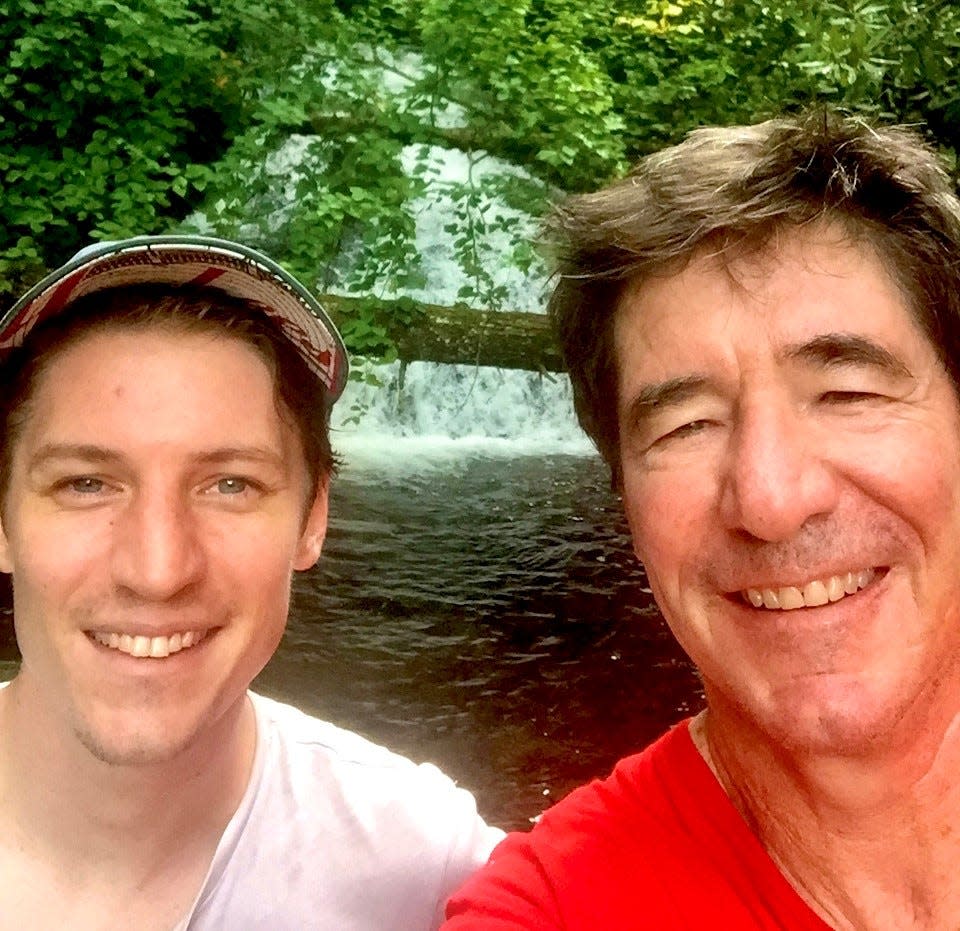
(510, 409)
(363, 452)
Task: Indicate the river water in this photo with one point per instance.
(484, 612)
(477, 604)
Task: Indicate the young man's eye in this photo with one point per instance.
(232, 485)
(85, 485)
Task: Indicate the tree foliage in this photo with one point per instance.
(107, 117)
(119, 117)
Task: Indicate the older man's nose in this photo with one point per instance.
(775, 478)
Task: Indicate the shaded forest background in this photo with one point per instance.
(121, 117)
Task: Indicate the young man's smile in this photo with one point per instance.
(153, 646)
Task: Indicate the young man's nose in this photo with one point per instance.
(157, 546)
(776, 476)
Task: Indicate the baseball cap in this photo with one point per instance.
(198, 261)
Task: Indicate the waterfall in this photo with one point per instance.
(463, 195)
(449, 409)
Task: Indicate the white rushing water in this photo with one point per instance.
(448, 410)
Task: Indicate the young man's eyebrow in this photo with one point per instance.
(99, 455)
(85, 452)
(228, 454)
(839, 349)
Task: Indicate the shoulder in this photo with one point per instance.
(657, 844)
(629, 803)
(356, 787)
(337, 832)
(318, 751)
(593, 856)
(644, 799)
(293, 728)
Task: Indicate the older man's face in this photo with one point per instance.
(791, 459)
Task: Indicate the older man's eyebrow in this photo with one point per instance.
(842, 349)
(664, 394)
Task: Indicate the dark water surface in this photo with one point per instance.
(485, 614)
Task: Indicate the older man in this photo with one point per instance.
(164, 470)
(761, 325)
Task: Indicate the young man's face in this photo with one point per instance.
(154, 516)
(791, 474)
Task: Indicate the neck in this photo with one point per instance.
(121, 820)
(829, 820)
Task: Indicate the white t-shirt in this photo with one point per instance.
(335, 833)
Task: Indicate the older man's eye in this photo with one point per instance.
(848, 397)
(695, 426)
(688, 429)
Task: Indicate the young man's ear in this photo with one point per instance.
(314, 529)
(6, 563)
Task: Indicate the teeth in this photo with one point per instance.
(160, 647)
(835, 589)
(141, 646)
(155, 647)
(813, 594)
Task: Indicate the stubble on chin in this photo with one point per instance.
(136, 749)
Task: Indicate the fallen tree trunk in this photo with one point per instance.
(459, 334)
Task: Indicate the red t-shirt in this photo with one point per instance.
(657, 845)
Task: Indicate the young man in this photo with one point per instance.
(762, 327)
(164, 470)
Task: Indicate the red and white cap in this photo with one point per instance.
(198, 261)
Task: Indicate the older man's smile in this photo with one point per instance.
(811, 594)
